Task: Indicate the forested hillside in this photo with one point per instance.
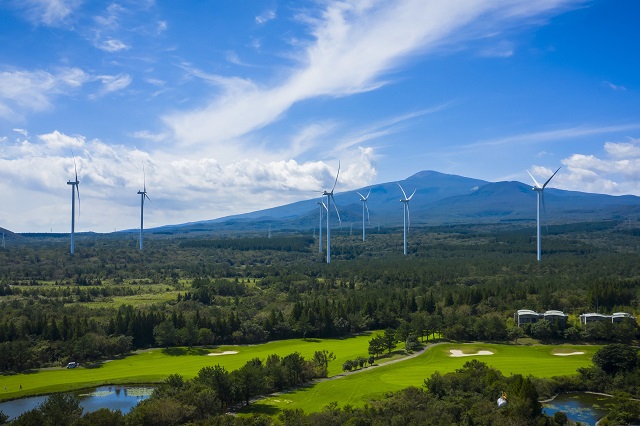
(465, 282)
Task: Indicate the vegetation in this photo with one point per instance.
(459, 282)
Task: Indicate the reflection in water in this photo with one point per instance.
(583, 407)
(111, 397)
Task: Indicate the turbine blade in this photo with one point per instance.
(549, 180)
(336, 207)
(534, 180)
(367, 197)
(402, 189)
(411, 196)
(144, 180)
(408, 216)
(361, 196)
(78, 192)
(367, 208)
(336, 182)
(146, 196)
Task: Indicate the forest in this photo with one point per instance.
(464, 282)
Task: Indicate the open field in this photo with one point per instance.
(357, 389)
(155, 365)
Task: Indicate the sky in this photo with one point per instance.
(235, 106)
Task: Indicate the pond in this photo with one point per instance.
(122, 398)
(583, 407)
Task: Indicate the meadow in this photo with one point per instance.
(153, 366)
(357, 389)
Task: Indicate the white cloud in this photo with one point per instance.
(613, 86)
(182, 189)
(112, 45)
(22, 91)
(354, 45)
(49, 12)
(265, 17)
(23, 132)
(113, 83)
(618, 173)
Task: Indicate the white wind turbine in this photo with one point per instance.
(329, 198)
(364, 199)
(143, 195)
(406, 220)
(74, 190)
(540, 191)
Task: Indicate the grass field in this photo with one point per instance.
(155, 365)
(357, 389)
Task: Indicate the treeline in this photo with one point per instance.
(289, 243)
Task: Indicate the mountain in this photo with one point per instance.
(440, 199)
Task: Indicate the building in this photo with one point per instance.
(527, 316)
(615, 317)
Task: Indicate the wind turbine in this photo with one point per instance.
(322, 206)
(74, 190)
(406, 220)
(143, 195)
(540, 190)
(364, 206)
(329, 198)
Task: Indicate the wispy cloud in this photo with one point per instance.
(551, 135)
(112, 45)
(113, 83)
(265, 17)
(354, 45)
(25, 91)
(48, 12)
(612, 86)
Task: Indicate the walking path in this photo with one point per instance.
(419, 352)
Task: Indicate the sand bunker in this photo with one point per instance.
(223, 353)
(570, 353)
(458, 353)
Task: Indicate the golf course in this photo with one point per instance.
(153, 366)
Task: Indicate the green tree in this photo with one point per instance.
(616, 358)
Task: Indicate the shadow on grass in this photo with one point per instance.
(261, 408)
(184, 351)
(91, 365)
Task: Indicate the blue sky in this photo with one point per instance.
(237, 106)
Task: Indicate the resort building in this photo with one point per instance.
(615, 317)
(526, 316)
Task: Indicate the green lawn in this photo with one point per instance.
(357, 389)
(155, 365)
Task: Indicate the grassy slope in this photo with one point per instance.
(154, 366)
(357, 389)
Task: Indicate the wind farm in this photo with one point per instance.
(273, 133)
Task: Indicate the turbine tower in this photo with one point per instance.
(364, 206)
(540, 191)
(329, 198)
(143, 195)
(322, 207)
(406, 220)
(74, 190)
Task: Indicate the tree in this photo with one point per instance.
(218, 379)
(376, 345)
(165, 334)
(248, 381)
(321, 360)
(616, 358)
(389, 339)
(60, 409)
